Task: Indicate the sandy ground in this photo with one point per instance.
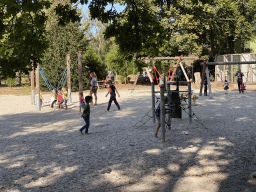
(44, 151)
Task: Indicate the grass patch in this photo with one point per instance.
(15, 90)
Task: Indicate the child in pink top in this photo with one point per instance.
(60, 99)
(81, 101)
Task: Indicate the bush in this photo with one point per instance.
(11, 82)
(122, 78)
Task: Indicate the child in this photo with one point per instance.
(112, 91)
(41, 98)
(86, 115)
(60, 99)
(65, 96)
(54, 96)
(242, 87)
(225, 85)
(157, 112)
(81, 101)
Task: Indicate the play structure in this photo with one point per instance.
(173, 108)
(65, 79)
(243, 65)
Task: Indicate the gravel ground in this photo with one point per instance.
(44, 151)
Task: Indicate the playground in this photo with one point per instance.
(44, 151)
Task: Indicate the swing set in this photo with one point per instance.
(65, 79)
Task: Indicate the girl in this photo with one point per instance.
(225, 85)
(242, 87)
(81, 101)
(94, 86)
(60, 99)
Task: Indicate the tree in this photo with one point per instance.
(63, 39)
(23, 31)
(94, 63)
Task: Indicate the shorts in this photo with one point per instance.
(94, 89)
(65, 101)
(60, 102)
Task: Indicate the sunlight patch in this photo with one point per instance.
(153, 151)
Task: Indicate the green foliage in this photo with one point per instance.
(11, 82)
(94, 63)
(63, 39)
(23, 31)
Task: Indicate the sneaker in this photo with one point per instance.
(81, 132)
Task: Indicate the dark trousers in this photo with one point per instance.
(113, 98)
(87, 123)
(205, 89)
(239, 83)
(53, 103)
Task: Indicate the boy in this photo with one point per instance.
(86, 115)
(157, 112)
(65, 96)
(112, 91)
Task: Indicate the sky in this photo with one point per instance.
(85, 9)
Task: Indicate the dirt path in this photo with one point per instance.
(44, 151)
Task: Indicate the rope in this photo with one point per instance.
(48, 84)
(62, 78)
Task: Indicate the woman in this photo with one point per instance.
(239, 75)
(94, 86)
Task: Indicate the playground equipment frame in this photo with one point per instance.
(205, 68)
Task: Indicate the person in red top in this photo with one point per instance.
(81, 102)
(60, 99)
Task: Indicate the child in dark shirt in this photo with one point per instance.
(112, 91)
(86, 115)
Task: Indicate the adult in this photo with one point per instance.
(94, 87)
(205, 85)
(239, 75)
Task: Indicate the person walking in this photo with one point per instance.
(239, 75)
(94, 87)
(112, 91)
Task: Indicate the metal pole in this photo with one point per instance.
(168, 85)
(38, 88)
(32, 80)
(80, 71)
(162, 111)
(69, 78)
(202, 80)
(153, 101)
(189, 102)
(209, 82)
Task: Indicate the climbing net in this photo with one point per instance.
(62, 82)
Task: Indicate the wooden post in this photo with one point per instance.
(175, 69)
(69, 78)
(80, 71)
(136, 80)
(202, 80)
(184, 72)
(38, 88)
(153, 101)
(32, 81)
(149, 75)
(162, 111)
(189, 102)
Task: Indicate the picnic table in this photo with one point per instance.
(102, 84)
